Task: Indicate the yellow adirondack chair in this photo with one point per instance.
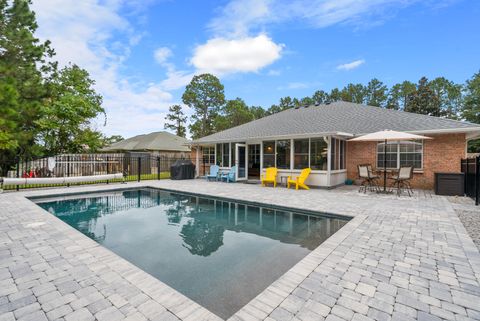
(300, 180)
(269, 177)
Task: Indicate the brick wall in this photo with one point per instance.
(440, 154)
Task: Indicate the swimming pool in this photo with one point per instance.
(220, 253)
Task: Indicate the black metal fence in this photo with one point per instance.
(471, 168)
(132, 167)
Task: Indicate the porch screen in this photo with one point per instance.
(318, 154)
(268, 154)
(300, 157)
(283, 154)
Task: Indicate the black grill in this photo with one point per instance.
(182, 169)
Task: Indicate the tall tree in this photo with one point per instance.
(235, 113)
(176, 120)
(285, 103)
(450, 96)
(71, 105)
(205, 95)
(258, 112)
(107, 141)
(334, 95)
(23, 61)
(376, 93)
(355, 93)
(306, 101)
(423, 100)
(398, 95)
(320, 97)
(471, 104)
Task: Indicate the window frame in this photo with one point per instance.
(288, 145)
(301, 154)
(399, 152)
(211, 154)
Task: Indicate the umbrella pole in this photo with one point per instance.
(385, 167)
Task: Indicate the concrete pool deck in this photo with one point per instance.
(399, 258)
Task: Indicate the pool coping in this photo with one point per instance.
(179, 304)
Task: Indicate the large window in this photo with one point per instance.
(311, 153)
(283, 154)
(300, 157)
(401, 154)
(208, 155)
(223, 154)
(268, 154)
(318, 154)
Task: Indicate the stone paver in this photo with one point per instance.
(399, 258)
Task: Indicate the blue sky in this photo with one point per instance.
(143, 53)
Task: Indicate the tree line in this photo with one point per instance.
(44, 109)
(438, 97)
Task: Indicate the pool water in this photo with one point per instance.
(219, 253)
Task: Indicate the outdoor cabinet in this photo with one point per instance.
(450, 184)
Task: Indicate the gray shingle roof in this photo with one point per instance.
(340, 116)
(163, 141)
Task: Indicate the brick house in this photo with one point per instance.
(317, 136)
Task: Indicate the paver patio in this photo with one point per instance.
(398, 259)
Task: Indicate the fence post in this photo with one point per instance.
(68, 169)
(477, 178)
(18, 172)
(158, 167)
(139, 168)
(108, 167)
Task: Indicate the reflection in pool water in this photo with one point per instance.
(217, 252)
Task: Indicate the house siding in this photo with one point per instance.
(443, 153)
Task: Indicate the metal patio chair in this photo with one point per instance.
(401, 181)
(369, 180)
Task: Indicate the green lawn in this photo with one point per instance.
(129, 178)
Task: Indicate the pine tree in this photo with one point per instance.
(176, 120)
(204, 94)
(423, 100)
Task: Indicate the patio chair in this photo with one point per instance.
(213, 173)
(402, 180)
(270, 176)
(299, 181)
(369, 180)
(229, 176)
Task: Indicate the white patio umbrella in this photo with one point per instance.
(387, 136)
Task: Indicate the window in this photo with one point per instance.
(268, 154)
(223, 154)
(208, 155)
(318, 154)
(343, 145)
(337, 156)
(300, 157)
(401, 154)
(283, 154)
(333, 154)
(233, 148)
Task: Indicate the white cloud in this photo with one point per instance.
(83, 32)
(162, 54)
(246, 54)
(239, 17)
(351, 65)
